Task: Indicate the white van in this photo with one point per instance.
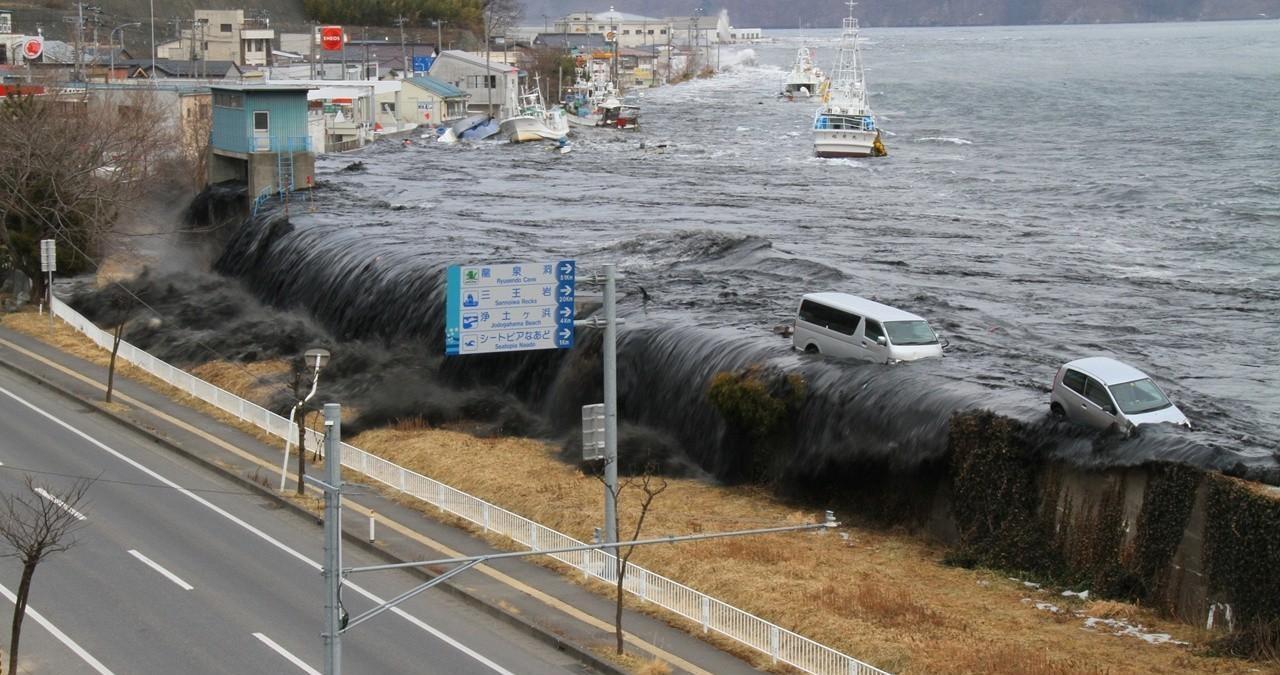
(843, 325)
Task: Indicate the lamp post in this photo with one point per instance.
(317, 359)
(110, 46)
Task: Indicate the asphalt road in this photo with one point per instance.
(179, 570)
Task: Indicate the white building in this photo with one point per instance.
(629, 30)
(701, 30)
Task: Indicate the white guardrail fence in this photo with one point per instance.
(780, 644)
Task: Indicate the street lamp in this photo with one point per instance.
(111, 48)
(316, 359)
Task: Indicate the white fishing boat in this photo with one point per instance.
(844, 126)
(620, 113)
(805, 77)
(534, 121)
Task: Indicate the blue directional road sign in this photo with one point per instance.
(509, 307)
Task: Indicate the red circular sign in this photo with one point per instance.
(33, 48)
(331, 38)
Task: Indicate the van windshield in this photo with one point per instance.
(907, 333)
(1139, 396)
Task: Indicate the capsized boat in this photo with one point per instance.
(805, 77)
(844, 126)
(535, 122)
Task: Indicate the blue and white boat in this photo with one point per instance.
(844, 126)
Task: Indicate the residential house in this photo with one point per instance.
(223, 35)
(428, 101)
(493, 87)
(167, 69)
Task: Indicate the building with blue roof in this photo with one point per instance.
(426, 100)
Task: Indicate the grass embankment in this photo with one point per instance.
(884, 597)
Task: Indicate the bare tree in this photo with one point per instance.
(70, 167)
(119, 308)
(649, 487)
(37, 524)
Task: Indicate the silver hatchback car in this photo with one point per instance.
(1104, 393)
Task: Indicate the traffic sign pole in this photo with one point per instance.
(48, 265)
(610, 408)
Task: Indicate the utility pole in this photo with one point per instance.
(488, 69)
(153, 40)
(401, 21)
(610, 405)
(332, 487)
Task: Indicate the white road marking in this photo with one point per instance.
(59, 503)
(285, 653)
(262, 535)
(62, 637)
(156, 566)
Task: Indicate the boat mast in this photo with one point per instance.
(847, 86)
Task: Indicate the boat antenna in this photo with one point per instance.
(851, 5)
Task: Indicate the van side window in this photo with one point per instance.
(1094, 391)
(829, 317)
(873, 330)
(1074, 380)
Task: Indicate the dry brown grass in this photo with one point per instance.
(882, 597)
(654, 667)
(254, 381)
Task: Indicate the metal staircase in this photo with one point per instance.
(285, 183)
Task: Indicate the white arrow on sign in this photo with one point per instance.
(565, 333)
(566, 312)
(565, 269)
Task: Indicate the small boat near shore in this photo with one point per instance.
(805, 77)
(620, 114)
(535, 122)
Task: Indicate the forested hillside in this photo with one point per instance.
(818, 13)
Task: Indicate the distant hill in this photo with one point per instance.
(48, 14)
(820, 13)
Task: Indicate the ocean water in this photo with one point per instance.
(1050, 193)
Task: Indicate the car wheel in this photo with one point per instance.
(1057, 411)
(812, 349)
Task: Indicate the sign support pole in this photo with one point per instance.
(610, 407)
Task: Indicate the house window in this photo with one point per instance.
(626, 32)
(228, 99)
(225, 28)
(651, 31)
(261, 120)
(663, 31)
(389, 107)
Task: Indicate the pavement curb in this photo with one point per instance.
(580, 652)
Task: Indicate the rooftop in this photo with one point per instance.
(863, 307)
(477, 60)
(442, 89)
(1107, 369)
(236, 86)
